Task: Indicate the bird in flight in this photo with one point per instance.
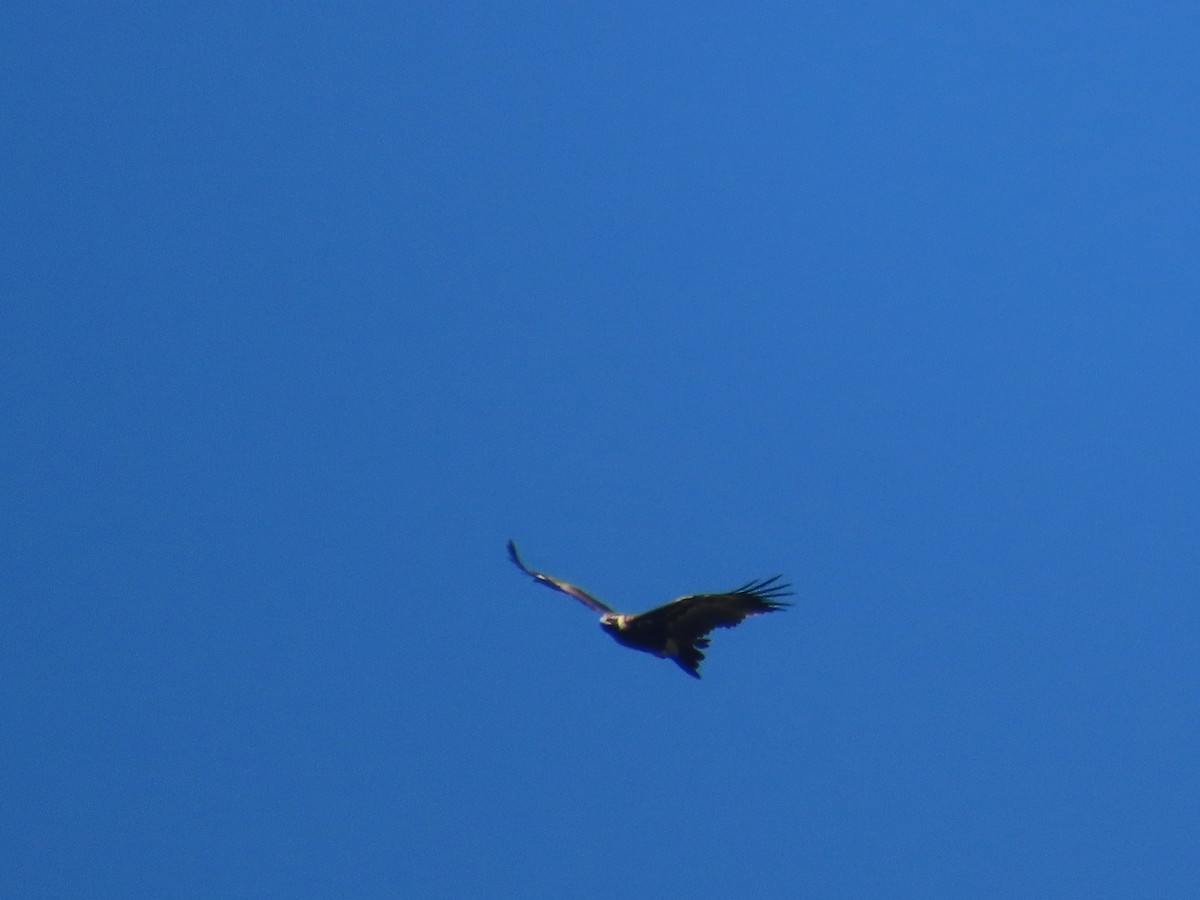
(677, 630)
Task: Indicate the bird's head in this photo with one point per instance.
(613, 622)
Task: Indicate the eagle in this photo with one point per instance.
(677, 630)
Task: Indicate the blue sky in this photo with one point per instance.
(307, 309)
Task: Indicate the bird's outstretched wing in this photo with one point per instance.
(550, 581)
(691, 618)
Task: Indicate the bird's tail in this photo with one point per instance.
(690, 656)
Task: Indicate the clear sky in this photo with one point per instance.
(307, 308)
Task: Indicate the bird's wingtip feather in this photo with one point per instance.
(515, 556)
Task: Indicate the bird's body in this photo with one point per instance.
(677, 630)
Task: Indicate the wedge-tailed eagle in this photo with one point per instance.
(677, 630)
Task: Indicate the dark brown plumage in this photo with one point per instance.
(677, 630)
